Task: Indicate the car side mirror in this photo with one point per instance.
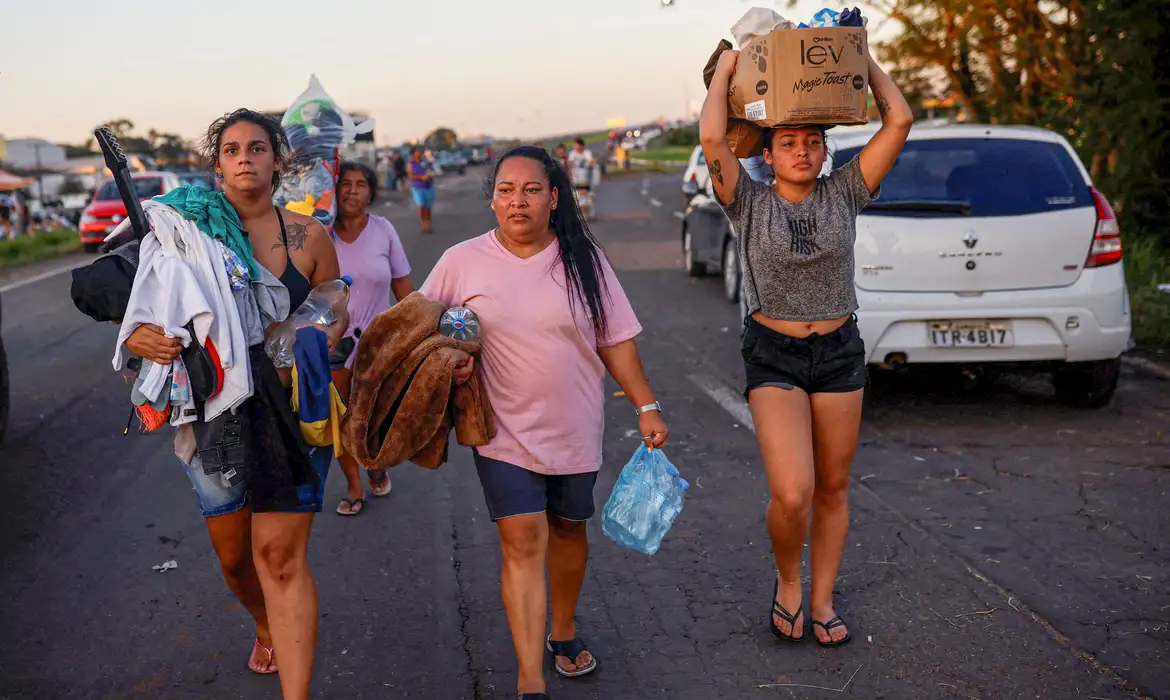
(690, 188)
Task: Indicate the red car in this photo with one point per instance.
(106, 210)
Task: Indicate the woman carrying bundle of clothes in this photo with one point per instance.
(257, 481)
(554, 319)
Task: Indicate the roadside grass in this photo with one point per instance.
(664, 154)
(1147, 264)
(615, 173)
(42, 246)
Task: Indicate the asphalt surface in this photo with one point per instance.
(1003, 546)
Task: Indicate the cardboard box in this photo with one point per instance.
(802, 76)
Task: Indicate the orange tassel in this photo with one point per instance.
(152, 419)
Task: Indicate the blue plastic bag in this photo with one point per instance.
(645, 501)
(825, 18)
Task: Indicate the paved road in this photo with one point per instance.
(1003, 546)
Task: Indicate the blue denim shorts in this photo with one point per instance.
(217, 499)
(424, 198)
(510, 490)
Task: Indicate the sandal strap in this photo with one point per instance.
(831, 624)
(268, 650)
(570, 649)
(788, 617)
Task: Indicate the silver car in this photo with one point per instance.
(708, 239)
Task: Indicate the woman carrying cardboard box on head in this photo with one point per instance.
(803, 355)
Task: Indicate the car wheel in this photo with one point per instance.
(4, 392)
(1087, 384)
(730, 272)
(693, 267)
(90, 247)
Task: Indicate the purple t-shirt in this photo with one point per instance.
(373, 260)
(419, 169)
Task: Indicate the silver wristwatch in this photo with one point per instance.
(650, 407)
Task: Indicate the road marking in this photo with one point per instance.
(679, 215)
(727, 399)
(37, 278)
(655, 202)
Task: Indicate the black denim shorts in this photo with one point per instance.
(830, 363)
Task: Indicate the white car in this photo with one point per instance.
(988, 246)
(695, 176)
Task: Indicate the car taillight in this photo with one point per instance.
(1106, 248)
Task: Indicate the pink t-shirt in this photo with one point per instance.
(373, 260)
(539, 361)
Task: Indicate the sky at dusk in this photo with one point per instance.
(523, 68)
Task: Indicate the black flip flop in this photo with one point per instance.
(352, 503)
(832, 624)
(533, 696)
(570, 650)
(790, 618)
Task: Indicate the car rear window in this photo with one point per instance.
(995, 177)
(145, 188)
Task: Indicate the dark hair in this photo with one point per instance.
(365, 170)
(271, 126)
(579, 140)
(770, 132)
(581, 254)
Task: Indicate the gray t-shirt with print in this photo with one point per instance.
(797, 257)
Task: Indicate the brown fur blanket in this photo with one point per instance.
(403, 401)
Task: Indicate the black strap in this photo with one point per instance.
(283, 232)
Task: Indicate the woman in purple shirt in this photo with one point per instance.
(369, 251)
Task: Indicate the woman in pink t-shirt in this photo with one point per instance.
(371, 254)
(553, 319)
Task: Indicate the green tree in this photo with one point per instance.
(441, 139)
(1087, 69)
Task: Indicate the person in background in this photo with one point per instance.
(562, 155)
(542, 288)
(803, 354)
(422, 182)
(369, 251)
(5, 216)
(399, 170)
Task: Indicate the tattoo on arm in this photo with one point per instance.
(717, 171)
(295, 237)
(883, 105)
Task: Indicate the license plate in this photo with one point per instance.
(971, 334)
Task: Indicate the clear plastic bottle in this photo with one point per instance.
(320, 308)
(460, 323)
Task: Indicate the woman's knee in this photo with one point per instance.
(281, 559)
(567, 529)
(832, 492)
(793, 501)
(235, 564)
(521, 541)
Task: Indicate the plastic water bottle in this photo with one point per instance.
(647, 498)
(320, 308)
(460, 323)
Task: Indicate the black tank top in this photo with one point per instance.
(298, 287)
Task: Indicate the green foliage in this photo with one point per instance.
(1088, 70)
(442, 139)
(26, 249)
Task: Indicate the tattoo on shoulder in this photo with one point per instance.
(717, 171)
(295, 235)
